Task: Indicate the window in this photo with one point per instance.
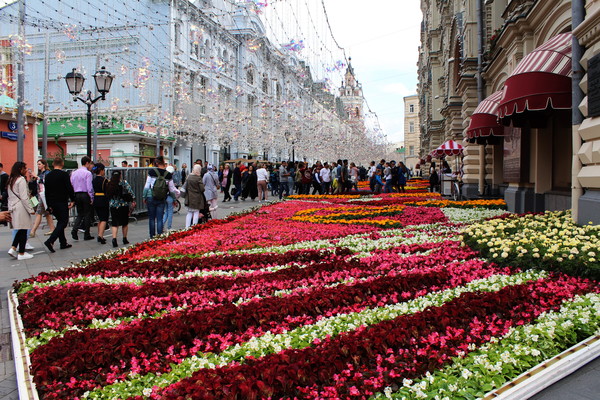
(411, 108)
(411, 127)
(278, 91)
(265, 85)
(250, 75)
(411, 150)
(177, 35)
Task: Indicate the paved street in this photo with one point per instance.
(582, 385)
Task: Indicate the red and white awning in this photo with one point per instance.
(484, 120)
(541, 80)
(449, 148)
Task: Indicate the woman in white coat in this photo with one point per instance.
(20, 209)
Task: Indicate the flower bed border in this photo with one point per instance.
(547, 373)
(25, 384)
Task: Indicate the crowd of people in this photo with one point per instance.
(96, 197)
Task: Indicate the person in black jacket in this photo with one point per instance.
(60, 197)
(3, 191)
(237, 181)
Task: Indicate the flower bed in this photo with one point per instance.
(301, 299)
(549, 241)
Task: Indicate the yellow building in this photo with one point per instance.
(412, 140)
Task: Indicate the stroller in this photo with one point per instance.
(205, 213)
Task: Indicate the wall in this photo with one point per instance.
(8, 148)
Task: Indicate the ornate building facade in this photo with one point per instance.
(497, 74)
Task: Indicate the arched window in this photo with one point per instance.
(250, 75)
(265, 85)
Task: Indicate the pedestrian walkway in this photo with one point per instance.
(43, 261)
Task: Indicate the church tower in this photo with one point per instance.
(351, 96)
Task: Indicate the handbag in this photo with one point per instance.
(33, 201)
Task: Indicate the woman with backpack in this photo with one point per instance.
(121, 196)
(158, 186)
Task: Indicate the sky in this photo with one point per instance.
(382, 37)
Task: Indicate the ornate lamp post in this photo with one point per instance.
(75, 81)
(289, 138)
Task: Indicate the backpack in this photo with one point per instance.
(160, 189)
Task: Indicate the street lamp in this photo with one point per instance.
(75, 81)
(288, 137)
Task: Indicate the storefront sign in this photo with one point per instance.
(594, 86)
(514, 162)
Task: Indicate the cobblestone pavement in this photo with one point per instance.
(582, 385)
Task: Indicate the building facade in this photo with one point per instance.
(201, 77)
(412, 136)
(516, 119)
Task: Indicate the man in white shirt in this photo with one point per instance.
(262, 178)
(325, 175)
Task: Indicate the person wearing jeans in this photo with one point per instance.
(156, 207)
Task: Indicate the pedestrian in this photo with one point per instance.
(3, 186)
(316, 180)
(262, 179)
(211, 187)
(20, 209)
(124, 164)
(434, 178)
(325, 177)
(403, 175)
(378, 181)
(274, 180)
(176, 176)
(387, 177)
(184, 173)
(283, 180)
(168, 215)
(237, 180)
(291, 167)
(81, 179)
(121, 201)
(60, 197)
(101, 206)
(353, 173)
(249, 182)
(41, 209)
(345, 177)
(226, 183)
(159, 184)
(194, 196)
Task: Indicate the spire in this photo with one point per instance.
(350, 69)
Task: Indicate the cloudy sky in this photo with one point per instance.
(382, 37)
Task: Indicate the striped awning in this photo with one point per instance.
(484, 120)
(540, 81)
(448, 148)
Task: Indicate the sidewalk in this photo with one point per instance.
(12, 270)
